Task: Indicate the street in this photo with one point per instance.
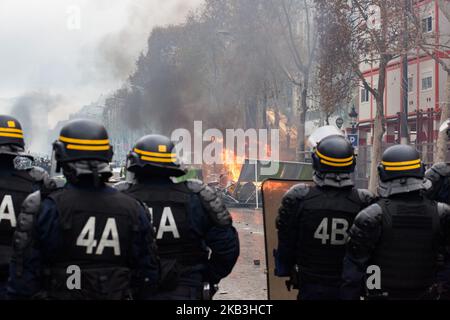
(248, 279)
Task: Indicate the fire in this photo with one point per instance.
(232, 164)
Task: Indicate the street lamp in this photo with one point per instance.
(353, 119)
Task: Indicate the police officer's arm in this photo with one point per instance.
(42, 179)
(444, 273)
(363, 238)
(145, 262)
(25, 267)
(220, 235)
(439, 175)
(24, 280)
(287, 227)
(367, 197)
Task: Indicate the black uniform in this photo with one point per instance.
(87, 228)
(401, 235)
(312, 232)
(439, 175)
(196, 240)
(18, 179)
(313, 223)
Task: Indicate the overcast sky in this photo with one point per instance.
(42, 49)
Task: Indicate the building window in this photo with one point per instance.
(364, 95)
(410, 84)
(427, 24)
(427, 82)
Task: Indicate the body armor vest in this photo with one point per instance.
(169, 208)
(13, 191)
(407, 252)
(326, 216)
(98, 230)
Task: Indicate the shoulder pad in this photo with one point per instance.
(443, 210)
(122, 186)
(438, 170)
(365, 232)
(195, 185)
(41, 177)
(290, 202)
(370, 217)
(22, 238)
(38, 174)
(366, 196)
(32, 203)
(297, 192)
(211, 201)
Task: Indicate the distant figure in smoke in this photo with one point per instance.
(18, 178)
(197, 242)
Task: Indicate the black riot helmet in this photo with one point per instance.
(154, 155)
(401, 161)
(334, 154)
(83, 140)
(11, 137)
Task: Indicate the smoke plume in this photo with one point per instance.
(32, 110)
(119, 51)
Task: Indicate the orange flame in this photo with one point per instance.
(232, 164)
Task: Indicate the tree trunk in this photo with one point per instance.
(379, 129)
(301, 129)
(264, 109)
(441, 145)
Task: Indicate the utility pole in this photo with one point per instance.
(404, 132)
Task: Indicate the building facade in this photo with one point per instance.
(426, 85)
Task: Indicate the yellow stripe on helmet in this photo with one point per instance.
(404, 168)
(399, 164)
(11, 135)
(339, 160)
(162, 160)
(154, 154)
(333, 164)
(83, 141)
(10, 130)
(88, 148)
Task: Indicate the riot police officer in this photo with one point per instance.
(18, 178)
(313, 220)
(439, 175)
(197, 243)
(400, 236)
(88, 241)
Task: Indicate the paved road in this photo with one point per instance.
(248, 279)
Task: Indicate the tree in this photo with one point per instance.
(376, 31)
(335, 77)
(294, 45)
